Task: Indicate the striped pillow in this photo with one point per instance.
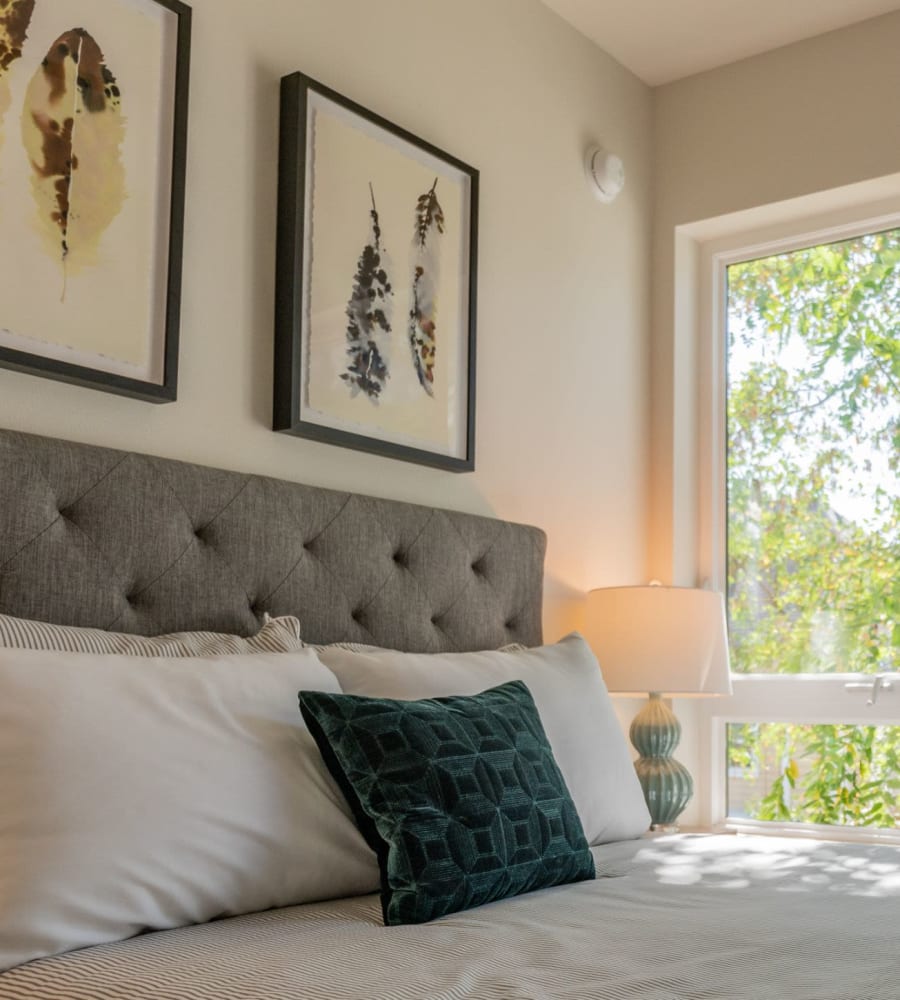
(277, 635)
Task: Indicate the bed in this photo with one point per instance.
(97, 539)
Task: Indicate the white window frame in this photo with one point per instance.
(703, 253)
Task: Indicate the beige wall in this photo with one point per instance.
(564, 289)
(806, 118)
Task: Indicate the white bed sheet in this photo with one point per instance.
(672, 918)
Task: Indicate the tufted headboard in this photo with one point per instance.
(114, 540)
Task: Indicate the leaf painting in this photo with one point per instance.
(72, 130)
(429, 226)
(15, 17)
(369, 312)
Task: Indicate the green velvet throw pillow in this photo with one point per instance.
(460, 798)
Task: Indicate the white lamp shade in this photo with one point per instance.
(670, 640)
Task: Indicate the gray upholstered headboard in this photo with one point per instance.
(95, 537)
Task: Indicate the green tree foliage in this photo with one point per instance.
(831, 774)
(814, 509)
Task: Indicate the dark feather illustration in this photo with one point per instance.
(429, 225)
(369, 312)
(15, 18)
(72, 130)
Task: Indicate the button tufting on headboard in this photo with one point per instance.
(199, 548)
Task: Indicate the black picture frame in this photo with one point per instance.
(306, 159)
(166, 141)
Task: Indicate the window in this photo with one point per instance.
(812, 532)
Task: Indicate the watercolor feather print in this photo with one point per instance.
(15, 18)
(429, 226)
(72, 131)
(369, 312)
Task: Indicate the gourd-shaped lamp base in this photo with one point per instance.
(667, 784)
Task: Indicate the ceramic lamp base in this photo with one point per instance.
(667, 784)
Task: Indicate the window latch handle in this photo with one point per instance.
(874, 687)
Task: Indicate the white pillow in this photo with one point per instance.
(575, 708)
(151, 793)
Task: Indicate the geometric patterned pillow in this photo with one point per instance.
(277, 635)
(460, 797)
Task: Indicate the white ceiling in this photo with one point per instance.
(664, 40)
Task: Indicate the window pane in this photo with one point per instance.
(813, 432)
(832, 774)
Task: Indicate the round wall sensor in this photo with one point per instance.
(605, 172)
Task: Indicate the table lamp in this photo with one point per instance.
(665, 641)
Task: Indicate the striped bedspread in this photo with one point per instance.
(673, 918)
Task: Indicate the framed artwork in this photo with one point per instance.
(93, 128)
(376, 283)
